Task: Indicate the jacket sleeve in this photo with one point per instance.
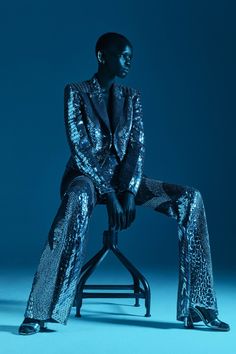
(79, 142)
(132, 165)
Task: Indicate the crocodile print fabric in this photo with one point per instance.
(54, 285)
(185, 204)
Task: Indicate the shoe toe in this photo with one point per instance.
(220, 325)
(29, 328)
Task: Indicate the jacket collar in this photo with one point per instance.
(118, 99)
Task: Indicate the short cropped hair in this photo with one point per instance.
(108, 38)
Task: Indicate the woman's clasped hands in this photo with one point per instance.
(122, 211)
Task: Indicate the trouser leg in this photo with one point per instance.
(54, 284)
(185, 204)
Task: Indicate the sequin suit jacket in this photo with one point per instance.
(93, 139)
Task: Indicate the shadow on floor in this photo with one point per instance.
(98, 316)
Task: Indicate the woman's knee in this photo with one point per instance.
(82, 188)
(195, 191)
(194, 196)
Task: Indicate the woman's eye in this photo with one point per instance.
(125, 56)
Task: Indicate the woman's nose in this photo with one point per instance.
(127, 62)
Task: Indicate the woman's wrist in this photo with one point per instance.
(129, 193)
(111, 195)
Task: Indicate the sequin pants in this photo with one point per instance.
(54, 284)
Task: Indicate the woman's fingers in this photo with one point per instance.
(133, 214)
(122, 221)
(130, 216)
(110, 220)
(127, 218)
(111, 216)
(117, 221)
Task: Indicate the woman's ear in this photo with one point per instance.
(100, 58)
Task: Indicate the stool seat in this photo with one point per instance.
(110, 244)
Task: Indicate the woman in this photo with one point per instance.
(104, 127)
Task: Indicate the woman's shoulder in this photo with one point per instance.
(82, 86)
(88, 85)
(128, 90)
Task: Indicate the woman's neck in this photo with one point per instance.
(104, 80)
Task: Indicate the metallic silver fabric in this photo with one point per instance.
(90, 138)
(56, 276)
(55, 280)
(100, 162)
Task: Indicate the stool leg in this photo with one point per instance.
(136, 289)
(98, 255)
(86, 266)
(91, 265)
(137, 274)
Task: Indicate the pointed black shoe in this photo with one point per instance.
(32, 326)
(208, 317)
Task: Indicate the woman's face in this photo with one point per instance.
(118, 60)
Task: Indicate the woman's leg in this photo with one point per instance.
(185, 204)
(54, 284)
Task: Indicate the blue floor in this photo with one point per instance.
(113, 326)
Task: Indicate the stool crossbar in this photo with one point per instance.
(110, 243)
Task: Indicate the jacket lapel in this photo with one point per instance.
(118, 105)
(118, 99)
(98, 102)
(121, 115)
(101, 111)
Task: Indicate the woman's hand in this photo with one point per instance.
(129, 208)
(115, 212)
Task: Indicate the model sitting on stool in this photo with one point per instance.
(104, 127)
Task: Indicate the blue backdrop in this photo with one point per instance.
(184, 64)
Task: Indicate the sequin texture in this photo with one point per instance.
(99, 163)
(90, 138)
(185, 204)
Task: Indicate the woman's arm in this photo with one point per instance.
(132, 164)
(79, 141)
